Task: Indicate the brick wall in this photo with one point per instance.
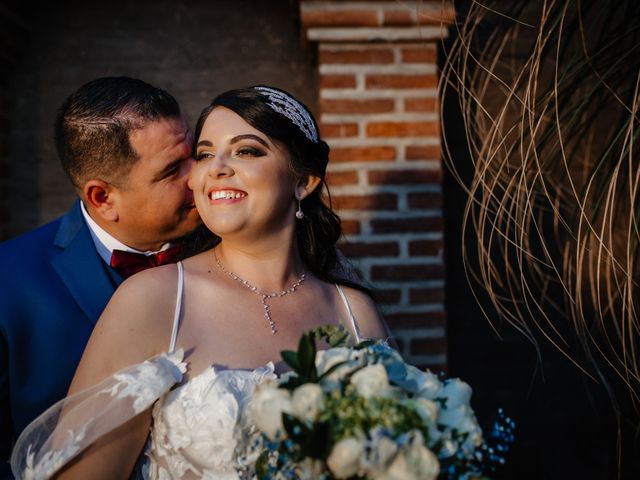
(378, 105)
(14, 28)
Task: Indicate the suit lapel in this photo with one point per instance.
(80, 267)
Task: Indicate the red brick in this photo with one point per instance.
(357, 106)
(387, 296)
(424, 104)
(415, 320)
(342, 178)
(426, 295)
(398, 17)
(428, 346)
(350, 227)
(436, 14)
(425, 200)
(426, 247)
(337, 81)
(362, 154)
(419, 55)
(407, 225)
(405, 177)
(364, 249)
(427, 271)
(355, 18)
(356, 56)
(382, 201)
(401, 81)
(335, 130)
(402, 129)
(427, 152)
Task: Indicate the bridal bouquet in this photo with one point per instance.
(361, 412)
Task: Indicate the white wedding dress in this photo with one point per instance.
(200, 429)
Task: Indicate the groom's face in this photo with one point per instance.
(155, 205)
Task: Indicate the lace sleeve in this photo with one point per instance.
(71, 425)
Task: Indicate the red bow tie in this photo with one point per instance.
(128, 263)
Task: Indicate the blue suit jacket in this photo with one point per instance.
(53, 288)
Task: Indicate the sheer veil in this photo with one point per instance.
(75, 422)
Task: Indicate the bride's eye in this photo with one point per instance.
(202, 155)
(248, 151)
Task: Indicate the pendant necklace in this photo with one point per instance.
(264, 296)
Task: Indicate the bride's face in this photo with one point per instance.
(242, 182)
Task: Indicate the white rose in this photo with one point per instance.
(267, 406)
(309, 469)
(325, 359)
(344, 459)
(427, 409)
(371, 381)
(429, 385)
(415, 462)
(457, 393)
(307, 401)
(380, 452)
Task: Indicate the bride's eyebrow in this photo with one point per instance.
(204, 143)
(249, 136)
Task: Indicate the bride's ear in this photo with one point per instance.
(306, 186)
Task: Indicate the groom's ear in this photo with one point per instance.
(306, 186)
(99, 197)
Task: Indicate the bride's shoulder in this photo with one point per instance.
(142, 309)
(155, 282)
(149, 291)
(365, 313)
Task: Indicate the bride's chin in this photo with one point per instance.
(224, 226)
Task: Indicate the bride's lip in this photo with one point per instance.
(225, 195)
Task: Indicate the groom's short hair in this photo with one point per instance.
(94, 123)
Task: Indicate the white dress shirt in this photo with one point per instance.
(106, 243)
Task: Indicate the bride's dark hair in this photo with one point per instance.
(318, 232)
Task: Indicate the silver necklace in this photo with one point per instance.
(264, 296)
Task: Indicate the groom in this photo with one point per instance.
(127, 151)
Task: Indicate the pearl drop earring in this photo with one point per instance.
(299, 212)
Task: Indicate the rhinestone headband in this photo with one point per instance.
(292, 109)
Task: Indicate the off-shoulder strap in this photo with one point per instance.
(178, 309)
(354, 324)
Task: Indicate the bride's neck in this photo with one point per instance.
(267, 267)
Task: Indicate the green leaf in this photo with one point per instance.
(291, 358)
(293, 383)
(318, 442)
(307, 357)
(262, 465)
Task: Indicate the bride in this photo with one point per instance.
(164, 382)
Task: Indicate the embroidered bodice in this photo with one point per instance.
(200, 428)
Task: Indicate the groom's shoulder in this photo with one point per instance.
(34, 242)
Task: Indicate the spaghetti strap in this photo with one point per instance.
(354, 324)
(178, 309)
